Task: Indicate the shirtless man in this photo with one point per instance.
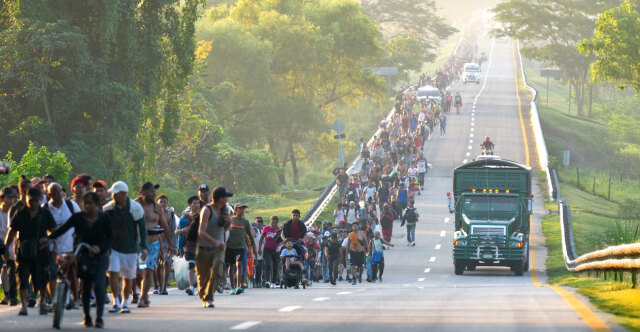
(356, 246)
(153, 216)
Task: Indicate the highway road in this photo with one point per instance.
(420, 291)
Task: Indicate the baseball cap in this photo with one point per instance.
(80, 180)
(149, 185)
(310, 234)
(327, 234)
(219, 192)
(203, 187)
(119, 187)
(99, 184)
(240, 206)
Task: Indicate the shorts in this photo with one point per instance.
(31, 268)
(190, 257)
(125, 264)
(165, 248)
(232, 255)
(357, 258)
(153, 249)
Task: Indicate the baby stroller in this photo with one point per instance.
(292, 277)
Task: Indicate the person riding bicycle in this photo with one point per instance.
(487, 145)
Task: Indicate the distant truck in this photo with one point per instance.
(492, 202)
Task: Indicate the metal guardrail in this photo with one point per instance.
(541, 146)
(624, 257)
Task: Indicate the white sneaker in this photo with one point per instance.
(408, 244)
(413, 244)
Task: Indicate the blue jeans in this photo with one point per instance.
(310, 266)
(369, 267)
(411, 232)
(325, 268)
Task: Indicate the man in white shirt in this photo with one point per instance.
(61, 210)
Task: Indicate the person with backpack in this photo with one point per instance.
(410, 217)
(129, 237)
(29, 225)
(188, 237)
(377, 256)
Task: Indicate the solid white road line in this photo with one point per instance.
(427, 270)
(245, 325)
(438, 246)
(343, 293)
(320, 299)
(446, 219)
(432, 259)
(443, 233)
(290, 308)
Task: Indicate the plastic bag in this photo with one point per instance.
(181, 272)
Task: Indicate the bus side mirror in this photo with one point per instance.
(531, 205)
(450, 203)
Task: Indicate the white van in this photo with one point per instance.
(471, 73)
(430, 93)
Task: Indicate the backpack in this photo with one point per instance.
(410, 215)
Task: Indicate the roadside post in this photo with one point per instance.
(339, 128)
(550, 72)
(386, 71)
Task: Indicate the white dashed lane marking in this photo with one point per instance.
(343, 293)
(446, 219)
(464, 161)
(438, 246)
(427, 270)
(443, 233)
(245, 325)
(320, 299)
(432, 259)
(420, 279)
(290, 308)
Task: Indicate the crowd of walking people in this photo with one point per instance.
(134, 241)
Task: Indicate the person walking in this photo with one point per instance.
(269, 251)
(8, 198)
(129, 237)
(215, 220)
(235, 255)
(30, 225)
(410, 217)
(93, 227)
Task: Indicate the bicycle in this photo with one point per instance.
(62, 291)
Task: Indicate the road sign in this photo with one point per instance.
(551, 72)
(385, 70)
(338, 126)
(338, 136)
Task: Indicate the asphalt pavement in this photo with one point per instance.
(420, 291)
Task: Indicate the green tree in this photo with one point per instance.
(99, 80)
(405, 52)
(616, 46)
(550, 31)
(36, 162)
(415, 18)
(283, 66)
